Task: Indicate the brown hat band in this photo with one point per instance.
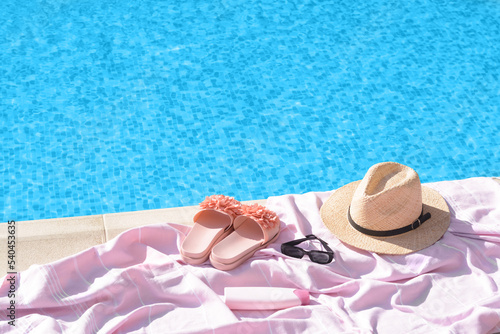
(389, 233)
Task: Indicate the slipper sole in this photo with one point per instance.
(232, 265)
(200, 260)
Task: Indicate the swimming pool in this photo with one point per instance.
(111, 106)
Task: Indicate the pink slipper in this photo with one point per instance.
(254, 229)
(211, 224)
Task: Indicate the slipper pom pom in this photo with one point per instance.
(222, 203)
(263, 216)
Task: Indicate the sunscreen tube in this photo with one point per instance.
(264, 298)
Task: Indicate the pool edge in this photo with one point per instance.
(47, 240)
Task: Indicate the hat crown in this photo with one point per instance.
(388, 197)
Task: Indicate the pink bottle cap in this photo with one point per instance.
(303, 296)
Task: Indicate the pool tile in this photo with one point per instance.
(115, 106)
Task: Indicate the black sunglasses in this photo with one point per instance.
(323, 257)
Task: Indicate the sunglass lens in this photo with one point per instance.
(293, 252)
(319, 257)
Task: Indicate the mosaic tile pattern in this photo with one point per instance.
(110, 106)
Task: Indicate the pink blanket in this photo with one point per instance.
(137, 283)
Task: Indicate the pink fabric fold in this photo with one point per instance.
(137, 282)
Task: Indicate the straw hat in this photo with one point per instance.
(388, 212)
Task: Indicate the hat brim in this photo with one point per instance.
(334, 215)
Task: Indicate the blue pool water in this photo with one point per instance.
(110, 106)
